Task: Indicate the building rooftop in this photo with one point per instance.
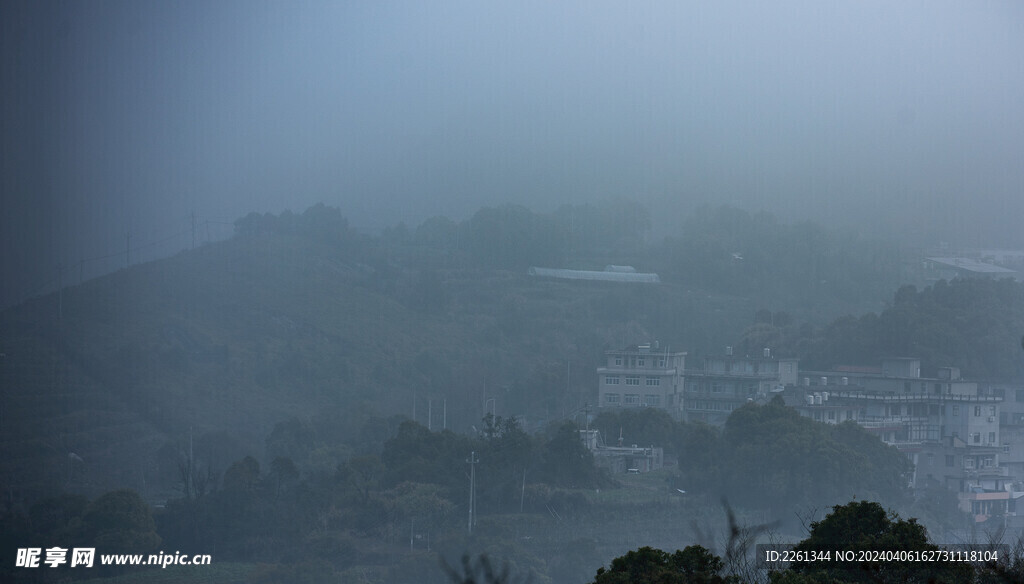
(970, 265)
(605, 276)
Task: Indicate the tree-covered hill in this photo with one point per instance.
(300, 313)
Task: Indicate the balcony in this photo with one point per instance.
(986, 471)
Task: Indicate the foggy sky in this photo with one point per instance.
(127, 117)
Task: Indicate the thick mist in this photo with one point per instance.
(122, 123)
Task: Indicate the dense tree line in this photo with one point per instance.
(973, 324)
(721, 249)
(802, 266)
(336, 506)
(769, 457)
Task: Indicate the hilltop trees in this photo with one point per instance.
(972, 324)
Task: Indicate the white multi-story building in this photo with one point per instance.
(945, 425)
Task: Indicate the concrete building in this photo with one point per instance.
(622, 459)
(947, 427)
(642, 376)
(727, 382)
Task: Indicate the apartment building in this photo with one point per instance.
(642, 376)
(726, 382)
(947, 426)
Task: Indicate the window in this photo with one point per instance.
(968, 462)
(950, 461)
(632, 380)
(611, 398)
(832, 415)
(653, 381)
(1020, 395)
(640, 362)
(906, 387)
(977, 411)
(653, 400)
(632, 399)
(991, 410)
(956, 410)
(716, 387)
(618, 361)
(661, 362)
(977, 437)
(611, 379)
(991, 437)
(938, 388)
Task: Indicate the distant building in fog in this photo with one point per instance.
(727, 382)
(642, 376)
(622, 459)
(948, 268)
(626, 274)
(944, 424)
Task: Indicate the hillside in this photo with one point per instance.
(106, 383)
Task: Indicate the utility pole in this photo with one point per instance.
(128, 249)
(472, 489)
(522, 494)
(430, 412)
(444, 423)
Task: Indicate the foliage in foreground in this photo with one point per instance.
(856, 526)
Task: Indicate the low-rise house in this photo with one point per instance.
(622, 459)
